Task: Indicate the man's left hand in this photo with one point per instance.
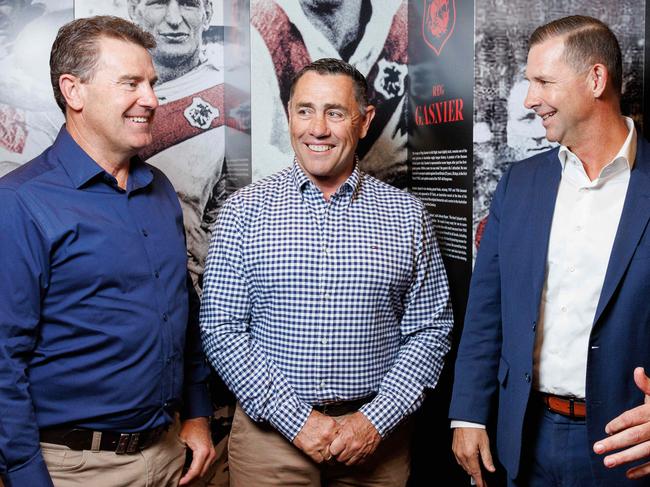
(195, 433)
(357, 439)
(631, 432)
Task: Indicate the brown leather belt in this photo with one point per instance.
(566, 406)
(343, 407)
(84, 439)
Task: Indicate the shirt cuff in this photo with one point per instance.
(290, 417)
(34, 472)
(384, 413)
(466, 424)
(196, 402)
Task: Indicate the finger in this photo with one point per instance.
(632, 417)
(486, 456)
(626, 438)
(336, 447)
(473, 468)
(193, 472)
(212, 456)
(631, 454)
(638, 471)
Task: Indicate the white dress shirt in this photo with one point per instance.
(585, 220)
(584, 225)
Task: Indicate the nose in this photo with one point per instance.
(173, 13)
(531, 100)
(539, 140)
(148, 98)
(318, 126)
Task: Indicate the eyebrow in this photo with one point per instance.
(328, 106)
(132, 77)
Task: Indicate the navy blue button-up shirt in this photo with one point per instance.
(93, 305)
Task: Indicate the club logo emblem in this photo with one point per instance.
(438, 23)
(200, 113)
(390, 79)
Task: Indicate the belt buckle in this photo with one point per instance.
(133, 443)
(123, 444)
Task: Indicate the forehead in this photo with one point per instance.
(545, 57)
(120, 55)
(329, 88)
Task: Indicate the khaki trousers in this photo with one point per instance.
(260, 456)
(160, 465)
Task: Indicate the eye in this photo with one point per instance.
(334, 114)
(303, 111)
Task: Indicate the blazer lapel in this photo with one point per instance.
(634, 218)
(545, 189)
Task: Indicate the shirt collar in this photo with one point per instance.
(81, 168)
(624, 158)
(351, 184)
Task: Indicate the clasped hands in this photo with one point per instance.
(349, 440)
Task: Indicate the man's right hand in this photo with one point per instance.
(470, 445)
(316, 435)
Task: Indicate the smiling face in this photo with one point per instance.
(177, 25)
(326, 125)
(524, 130)
(558, 94)
(113, 111)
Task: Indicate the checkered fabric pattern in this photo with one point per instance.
(308, 301)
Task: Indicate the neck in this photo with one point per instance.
(115, 164)
(340, 22)
(176, 70)
(610, 132)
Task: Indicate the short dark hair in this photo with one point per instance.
(335, 66)
(587, 41)
(75, 50)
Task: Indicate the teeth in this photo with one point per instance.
(138, 119)
(548, 115)
(318, 148)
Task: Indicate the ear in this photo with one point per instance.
(598, 79)
(71, 89)
(365, 122)
(208, 14)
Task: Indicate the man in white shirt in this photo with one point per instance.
(557, 324)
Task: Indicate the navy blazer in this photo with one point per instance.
(496, 348)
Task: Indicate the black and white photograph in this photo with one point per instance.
(29, 116)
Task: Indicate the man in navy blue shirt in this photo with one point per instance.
(97, 359)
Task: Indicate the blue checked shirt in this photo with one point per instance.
(308, 301)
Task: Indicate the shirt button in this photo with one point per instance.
(324, 341)
(527, 377)
(578, 228)
(326, 296)
(145, 233)
(156, 274)
(322, 385)
(534, 325)
(572, 269)
(165, 317)
(563, 308)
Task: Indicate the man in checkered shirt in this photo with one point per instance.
(326, 307)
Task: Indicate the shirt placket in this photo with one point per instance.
(321, 212)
